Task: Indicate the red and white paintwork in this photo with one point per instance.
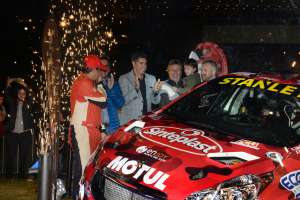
(178, 147)
(86, 116)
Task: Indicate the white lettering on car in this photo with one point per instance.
(193, 140)
(152, 176)
(153, 153)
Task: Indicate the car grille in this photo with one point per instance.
(113, 191)
(104, 188)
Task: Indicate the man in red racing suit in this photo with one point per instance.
(86, 102)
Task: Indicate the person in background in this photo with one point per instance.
(2, 114)
(20, 129)
(86, 101)
(115, 99)
(208, 70)
(139, 89)
(2, 132)
(191, 72)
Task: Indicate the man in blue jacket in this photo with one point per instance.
(115, 100)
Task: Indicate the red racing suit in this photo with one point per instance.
(86, 104)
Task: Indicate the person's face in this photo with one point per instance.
(174, 72)
(207, 72)
(189, 70)
(94, 74)
(21, 95)
(104, 62)
(140, 66)
(102, 74)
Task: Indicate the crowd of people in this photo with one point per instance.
(99, 105)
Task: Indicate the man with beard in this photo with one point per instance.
(86, 103)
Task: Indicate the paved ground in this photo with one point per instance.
(17, 189)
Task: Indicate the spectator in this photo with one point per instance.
(20, 129)
(192, 77)
(174, 82)
(209, 70)
(2, 114)
(86, 103)
(115, 99)
(2, 132)
(139, 89)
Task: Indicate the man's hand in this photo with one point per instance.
(9, 81)
(101, 89)
(99, 79)
(21, 82)
(157, 85)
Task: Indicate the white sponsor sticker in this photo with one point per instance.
(153, 153)
(247, 143)
(187, 140)
(291, 182)
(133, 168)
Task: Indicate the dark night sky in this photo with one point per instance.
(15, 41)
(164, 37)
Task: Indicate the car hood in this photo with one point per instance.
(165, 153)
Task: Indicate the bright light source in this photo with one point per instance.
(63, 23)
(293, 63)
(25, 28)
(71, 17)
(109, 34)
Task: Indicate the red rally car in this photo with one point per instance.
(234, 138)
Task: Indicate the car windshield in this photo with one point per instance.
(259, 110)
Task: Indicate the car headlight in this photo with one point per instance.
(245, 187)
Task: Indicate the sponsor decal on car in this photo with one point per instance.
(187, 140)
(158, 155)
(247, 143)
(263, 85)
(291, 182)
(135, 169)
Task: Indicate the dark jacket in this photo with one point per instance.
(190, 81)
(12, 106)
